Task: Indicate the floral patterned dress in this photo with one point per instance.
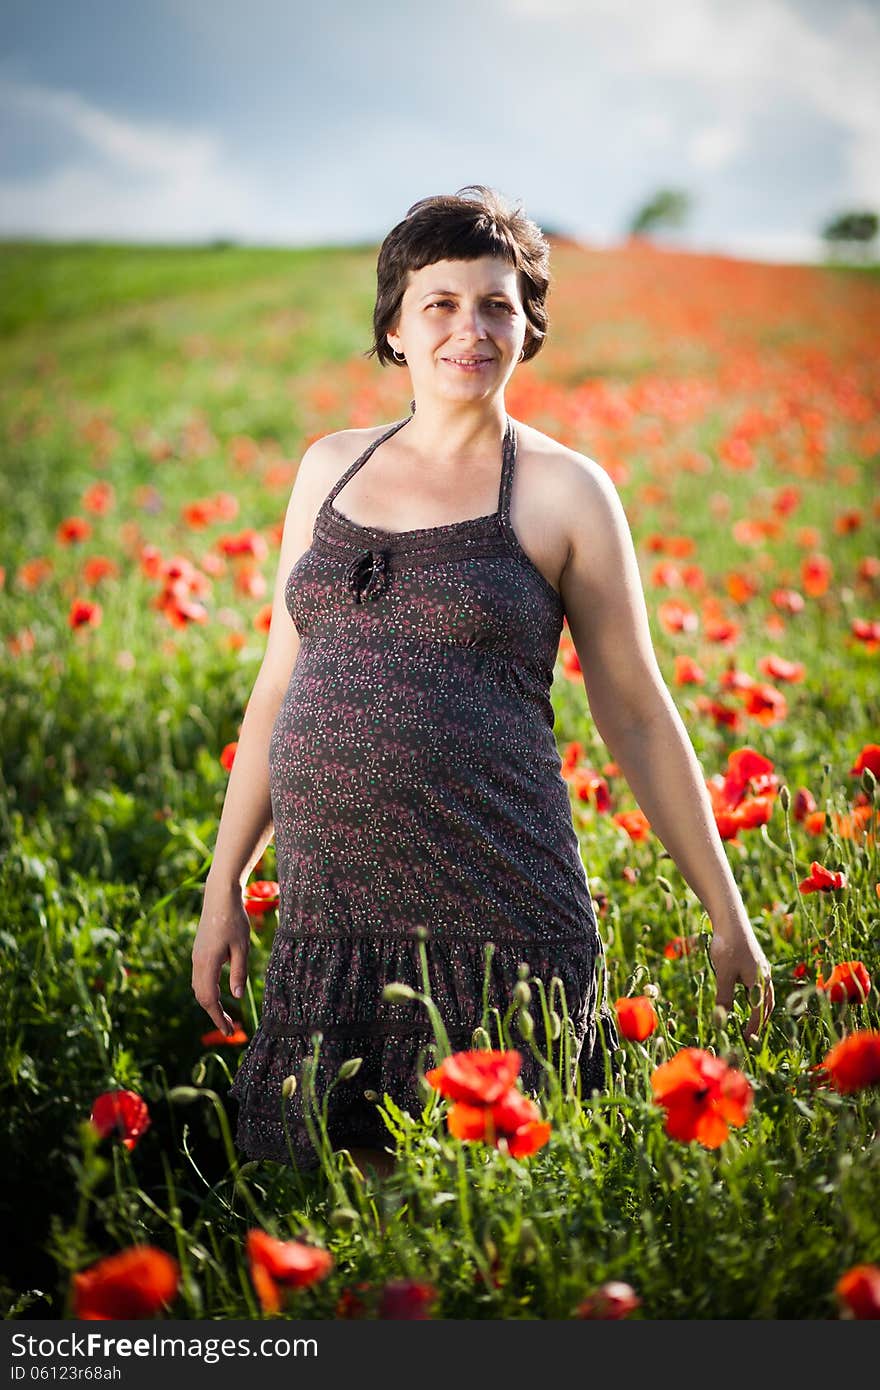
(415, 783)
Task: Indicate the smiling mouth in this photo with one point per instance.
(466, 362)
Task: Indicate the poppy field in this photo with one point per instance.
(154, 403)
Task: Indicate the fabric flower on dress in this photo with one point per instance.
(368, 575)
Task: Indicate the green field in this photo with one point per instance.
(736, 406)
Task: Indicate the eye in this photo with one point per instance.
(495, 304)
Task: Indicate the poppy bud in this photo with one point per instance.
(184, 1095)
(350, 1068)
(784, 797)
(868, 782)
(396, 992)
(555, 1025)
(522, 994)
(288, 1086)
(343, 1216)
(480, 1039)
(526, 1024)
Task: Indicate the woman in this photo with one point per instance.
(399, 737)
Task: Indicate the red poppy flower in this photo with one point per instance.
(488, 1105)
(816, 574)
(276, 1264)
(260, 897)
(99, 567)
(407, 1300)
(681, 946)
(635, 823)
(688, 672)
(778, 669)
(99, 498)
(133, 1284)
(84, 613)
(821, 880)
(702, 1096)
(637, 1017)
(869, 756)
(859, 1291)
(72, 530)
(848, 980)
(513, 1118)
(854, 1063)
(479, 1078)
(611, 1302)
(804, 804)
(217, 1036)
(350, 1304)
(227, 755)
(121, 1112)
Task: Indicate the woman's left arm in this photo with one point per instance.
(640, 725)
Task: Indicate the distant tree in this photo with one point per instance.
(667, 208)
(851, 234)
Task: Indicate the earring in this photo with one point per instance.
(398, 357)
(522, 354)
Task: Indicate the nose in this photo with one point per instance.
(469, 324)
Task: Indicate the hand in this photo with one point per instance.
(736, 957)
(223, 934)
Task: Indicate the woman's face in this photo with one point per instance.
(461, 309)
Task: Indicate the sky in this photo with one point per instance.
(276, 122)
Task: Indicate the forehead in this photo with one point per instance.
(484, 275)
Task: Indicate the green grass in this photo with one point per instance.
(147, 368)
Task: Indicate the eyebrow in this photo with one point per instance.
(490, 294)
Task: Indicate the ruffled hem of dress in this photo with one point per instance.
(390, 1063)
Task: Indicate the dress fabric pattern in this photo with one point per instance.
(415, 782)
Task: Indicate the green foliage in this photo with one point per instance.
(668, 207)
(112, 787)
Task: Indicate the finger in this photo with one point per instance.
(724, 989)
(762, 998)
(206, 988)
(238, 968)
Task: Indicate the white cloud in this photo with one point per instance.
(785, 246)
(150, 181)
(714, 146)
(749, 56)
(145, 148)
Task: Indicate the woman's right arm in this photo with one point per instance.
(246, 820)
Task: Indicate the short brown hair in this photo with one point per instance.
(457, 227)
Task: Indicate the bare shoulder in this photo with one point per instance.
(564, 470)
(332, 453)
(570, 488)
(325, 459)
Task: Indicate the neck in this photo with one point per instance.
(455, 430)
